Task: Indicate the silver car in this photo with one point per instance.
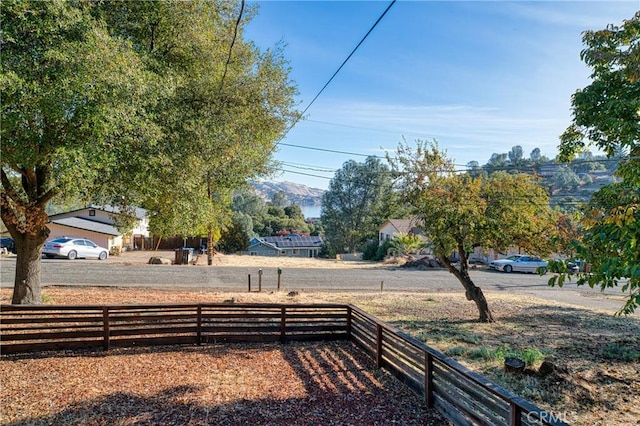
(518, 263)
(73, 248)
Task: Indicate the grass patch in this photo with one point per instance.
(456, 351)
(617, 351)
(531, 356)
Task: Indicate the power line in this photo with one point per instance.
(309, 167)
(330, 150)
(507, 167)
(338, 70)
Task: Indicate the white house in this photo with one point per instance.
(98, 225)
(394, 227)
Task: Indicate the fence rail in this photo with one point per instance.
(463, 396)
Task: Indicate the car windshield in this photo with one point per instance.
(514, 257)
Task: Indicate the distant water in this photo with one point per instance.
(311, 211)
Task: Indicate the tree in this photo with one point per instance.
(605, 114)
(234, 238)
(535, 155)
(360, 198)
(160, 104)
(515, 155)
(565, 179)
(459, 211)
(226, 103)
(75, 105)
(279, 199)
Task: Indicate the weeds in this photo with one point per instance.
(530, 356)
(619, 352)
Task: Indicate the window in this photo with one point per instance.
(92, 212)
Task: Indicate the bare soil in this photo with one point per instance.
(219, 259)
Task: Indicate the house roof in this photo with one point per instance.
(258, 242)
(404, 226)
(291, 241)
(138, 212)
(294, 241)
(87, 225)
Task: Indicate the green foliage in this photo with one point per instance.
(565, 179)
(376, 251)
(360, 198)
(623, 352)
(605, 114)
(369, 250)
(156, 104)
(405, 244)
(233, 239)
(459, 211)
(277, 219)
(530, 356)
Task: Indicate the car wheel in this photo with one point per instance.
(103, 255)
(508, 268)
(72, 254)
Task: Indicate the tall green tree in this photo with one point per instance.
(606, 114)
(75, 106)
(459, 211)
(359, 199)
(226, 103)
(161, 104)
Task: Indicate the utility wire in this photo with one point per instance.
(338, 70)
(233, 41)
(467, 169)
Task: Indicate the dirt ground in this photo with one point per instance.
(219, 259)
(595, 355)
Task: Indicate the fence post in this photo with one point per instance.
(378, 345)
(249, 283)
(199, 326)
(428, 379)
(516, 414)
(105, 327)
(283, 324)
(349, 313)
(279, 274)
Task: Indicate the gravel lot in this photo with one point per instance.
(231, 273)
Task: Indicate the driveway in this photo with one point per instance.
(300, 275)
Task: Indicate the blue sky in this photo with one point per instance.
(477, 76)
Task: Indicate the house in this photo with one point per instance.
(394, 227)
(291, 245)
(98, 225)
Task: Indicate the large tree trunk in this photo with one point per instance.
(472, 292)
(26, 288)
(23, 212)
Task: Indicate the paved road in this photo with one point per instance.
(228, 278)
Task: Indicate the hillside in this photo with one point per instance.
(296, 193)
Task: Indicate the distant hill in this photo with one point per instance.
(296, 193)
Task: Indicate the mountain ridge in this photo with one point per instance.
(295, 193)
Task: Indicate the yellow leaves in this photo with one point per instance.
(620, 216)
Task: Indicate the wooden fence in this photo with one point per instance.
(463, 396)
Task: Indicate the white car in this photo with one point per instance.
(518, 263)
(73, 248)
